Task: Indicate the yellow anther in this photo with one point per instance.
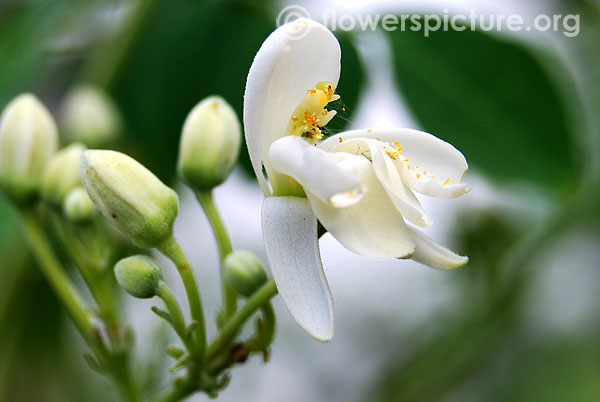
(418, 175)
(311, 112)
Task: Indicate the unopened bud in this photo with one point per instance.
(244, 273)
(78, 207)
(62, 174)
(90, 116)
(130, 196)
(28, 138)
(139, 276)
(210, 143)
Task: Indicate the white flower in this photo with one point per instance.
(358, 184)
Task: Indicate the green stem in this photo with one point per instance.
(93, 275)
(177, 320)
(231, 327)
(174, 393)
(223, 243)
(267, 330)
(172, 250)
(56, 276)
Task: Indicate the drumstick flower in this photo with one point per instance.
(359, 184)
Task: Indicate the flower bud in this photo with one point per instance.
(62, 174)
(244, 273)
(78, 207)
(210, 144)
(90, 116)
(130, 196)
(139, 275)
(28, 138)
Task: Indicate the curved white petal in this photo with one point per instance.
(292, 245)
(386, 170)
(331, 177)
(372, 227)
(434, 255)
(433, 166)
(292, 60)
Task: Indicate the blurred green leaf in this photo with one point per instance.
(558, 370)
(490, 98)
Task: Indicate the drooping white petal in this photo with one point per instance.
(292, 245)
(292, 60)
(372, 227)
(331, 177)
(434, 255)
(431, 166)
(390, 178)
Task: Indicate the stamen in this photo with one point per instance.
(313, 114)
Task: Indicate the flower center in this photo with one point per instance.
(310, 116)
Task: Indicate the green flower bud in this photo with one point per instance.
(244, 273)
(28, 138)
(62, 174)
(210, 144)
(78, 207)
(139, 275)
(90, 116)
(130, 196)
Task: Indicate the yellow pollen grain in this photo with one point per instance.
(408, 166)
(343, 109)
(391, 153)
(425, 172)
(434, 177)
(312, 91)
(378, 139)
(294, 118)
(446, 182)
(369, 131)
(418, 175)
(405, 159)
(340, 139)
(417, 166)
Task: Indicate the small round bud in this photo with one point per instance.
(90, 116)
(139, 275)
(62, 174)
(244, 273)
(130, 196)
(78, 207)
(210, 143)
(28, 138)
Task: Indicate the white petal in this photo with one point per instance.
(329, 176)
(432, 254)
(386, 170)
(285, 67)
(292, 245)
(440, 167)
(372, 227)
